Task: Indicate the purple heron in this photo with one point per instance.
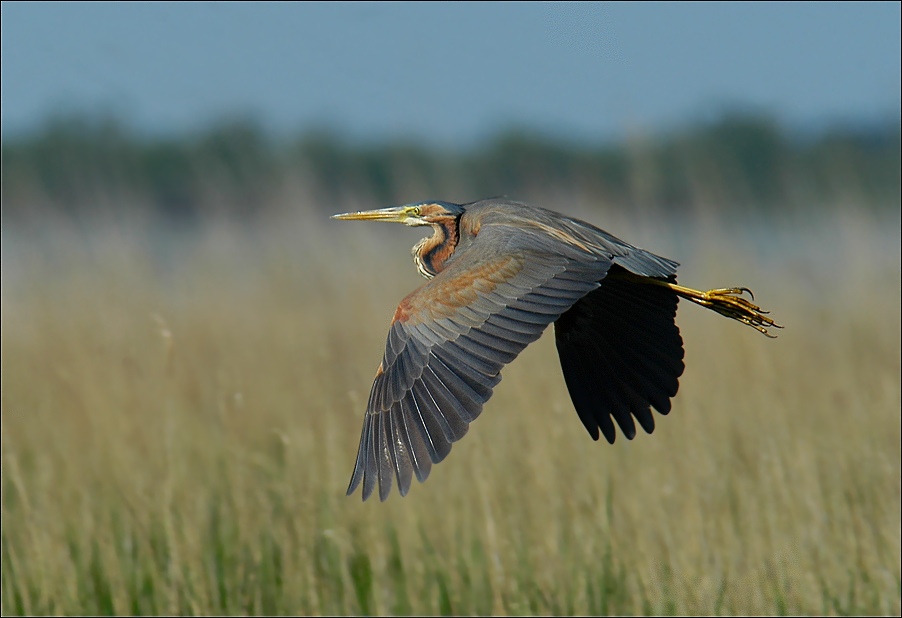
(499, 273)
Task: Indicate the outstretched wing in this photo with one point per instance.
(449, 340)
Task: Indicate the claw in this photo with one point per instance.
(731, 292)
(729, 302)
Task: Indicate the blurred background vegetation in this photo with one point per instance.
(79, 167)
(188, 341)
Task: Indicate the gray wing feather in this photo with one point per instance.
(437, 373)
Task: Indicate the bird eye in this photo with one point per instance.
(416, 210)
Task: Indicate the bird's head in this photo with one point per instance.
(420, 213)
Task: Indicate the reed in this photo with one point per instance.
(180, 422)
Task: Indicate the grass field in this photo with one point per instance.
(180, 422)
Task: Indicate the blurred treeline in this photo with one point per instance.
(78, 166)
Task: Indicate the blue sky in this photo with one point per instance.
(449, 73)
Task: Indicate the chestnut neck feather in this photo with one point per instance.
(431, 253)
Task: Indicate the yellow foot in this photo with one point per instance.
(729, 302)
(725, 301)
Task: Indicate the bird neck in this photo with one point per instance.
(431, 253)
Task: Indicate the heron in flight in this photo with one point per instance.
(499, 273)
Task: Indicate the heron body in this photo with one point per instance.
(499, 273)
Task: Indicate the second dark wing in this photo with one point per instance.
(621, 353)
(448, 342)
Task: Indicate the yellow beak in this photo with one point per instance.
(395, 214)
